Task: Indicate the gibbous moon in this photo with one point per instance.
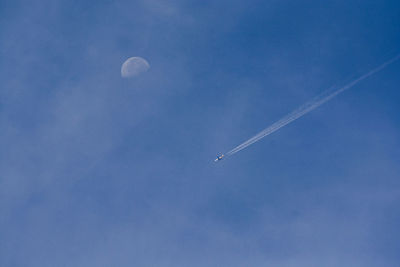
(134, 66)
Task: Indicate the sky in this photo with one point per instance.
(98, 170)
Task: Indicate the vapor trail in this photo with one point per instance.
(309, 106)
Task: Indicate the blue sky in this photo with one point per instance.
(96, 170)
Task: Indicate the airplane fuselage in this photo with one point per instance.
(219, 158)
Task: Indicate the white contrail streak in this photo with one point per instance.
(309, 106)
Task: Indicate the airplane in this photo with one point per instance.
(219, 157)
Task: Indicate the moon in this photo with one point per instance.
(134, 66)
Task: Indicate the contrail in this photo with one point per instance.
(309, 106)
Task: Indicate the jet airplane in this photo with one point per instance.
(220, 157)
